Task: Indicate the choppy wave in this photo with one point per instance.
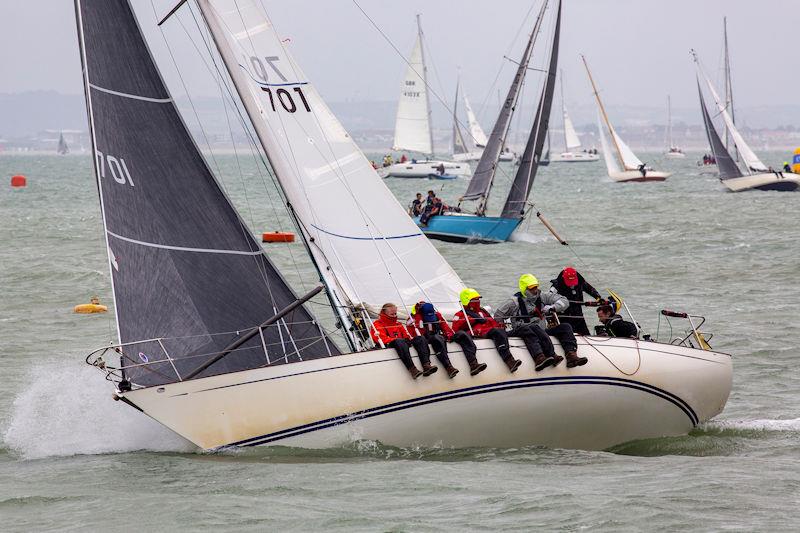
(71, 412)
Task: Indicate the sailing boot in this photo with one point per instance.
(574, 360)
(513, 364)
(542, 361)
(476, 368)
(451, 371)
(415, 372)
(428, 369)
(557, 359)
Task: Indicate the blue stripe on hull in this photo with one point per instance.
(470, 228)
(471, 391)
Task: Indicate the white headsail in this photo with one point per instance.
(412, 130)
(478, 135)
(366, 246)
(750, 159)
(608, 155)
(571, 138)
(629, 159)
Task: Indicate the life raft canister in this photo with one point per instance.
(277, 236)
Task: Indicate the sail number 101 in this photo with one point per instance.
(285, 99)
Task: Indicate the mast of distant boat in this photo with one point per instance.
(425, 80)
(603, 112)
(728, 84)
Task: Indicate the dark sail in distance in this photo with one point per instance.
(185, 268)
(529, 164)
(725, 164)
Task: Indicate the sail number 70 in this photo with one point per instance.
(285, 99)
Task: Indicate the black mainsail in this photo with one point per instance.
(187, 273)
(481, 183)
(725, 164)
(529, 164)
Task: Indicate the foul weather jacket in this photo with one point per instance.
(440, 327)
(528, 309)
(481, 322)
(574, 294)
(387, 329)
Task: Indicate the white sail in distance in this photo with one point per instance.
(366, 246)
(412, 130)
(629, 159)
(476, 132)
(608, 156)
(571, 138)
(749, 157)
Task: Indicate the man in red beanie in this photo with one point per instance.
(571, 284)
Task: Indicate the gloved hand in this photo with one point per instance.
(547, 309)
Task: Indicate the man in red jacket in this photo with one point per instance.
(430, 323)
(477, 321)
(387, 331)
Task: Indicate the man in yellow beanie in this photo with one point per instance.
(527, 311)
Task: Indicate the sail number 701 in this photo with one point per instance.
(285, 99)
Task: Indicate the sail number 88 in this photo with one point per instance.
(286, 100)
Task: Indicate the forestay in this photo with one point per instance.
(529, 163)
(185, 268)
(750, 159)
(475, 130)
(412, 130)
(367, 247)
(725, 164)
(481, 182)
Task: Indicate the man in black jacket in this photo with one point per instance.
(613, 324)
(571, 284)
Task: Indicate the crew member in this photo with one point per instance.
(643, 169)
(433, 207)
(416, 206)
(570, 284)
(530, 306)
(391, 333)
(430, 323)
(478, 322)
(613, 325)
(786, 167)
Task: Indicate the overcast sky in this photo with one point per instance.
(638, 49)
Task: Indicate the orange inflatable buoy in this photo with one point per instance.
(277, 236)
(94, 307)
(18, 181)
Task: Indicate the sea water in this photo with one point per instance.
(72, 458)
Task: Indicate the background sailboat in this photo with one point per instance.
(413, 130)
(62, 148)
(191, 277)
(672, 150)
(477, 138)
(572, 143)
(477, 227)
(621, 163)
(750, 173)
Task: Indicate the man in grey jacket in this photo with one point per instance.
(528, 309)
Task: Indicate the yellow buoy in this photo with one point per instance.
(93, 307)
(796, 161)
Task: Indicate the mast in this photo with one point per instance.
(603, 112)
(420, 36)
(481, 183)
(669, 124)
(728, 82)
(563, 111)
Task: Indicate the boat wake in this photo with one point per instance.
(71, 413)
(522, 236)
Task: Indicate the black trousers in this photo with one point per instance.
(578, 324)
(402, 348)
(439, 346)
(463, 339)
(500, 338)
(563, 332)
(535, 339)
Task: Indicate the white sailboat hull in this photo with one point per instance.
(574, 157)
(636, 176)
(421, 169)
(674, 155)
(764, 181)
(476, 156)
(629, 390)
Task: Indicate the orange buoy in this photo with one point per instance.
(19, 181)
(94, 307)
(277, 236)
